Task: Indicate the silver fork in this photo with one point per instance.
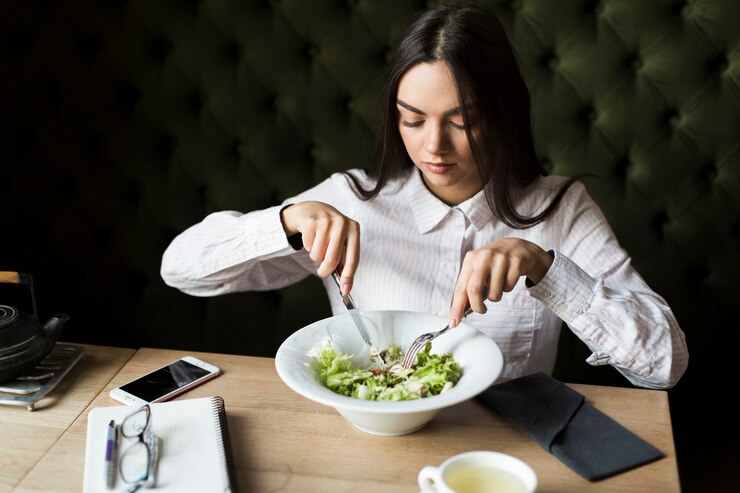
(421, 341)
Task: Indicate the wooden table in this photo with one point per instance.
(284, 442)
(25, 437)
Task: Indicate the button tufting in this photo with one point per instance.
(386, 53)
(672, 118)
(698, 274)
(160, 48)
(589, 114)
(660, 221)
(166, 145)
(197, 99)
(708, 172)
(312, 51)
(128, 95)
(718, 64)
(235, 149)
(621, 168)
(594, 7)
(233, 51)
(515, 5)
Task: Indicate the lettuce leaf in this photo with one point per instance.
(431, 375)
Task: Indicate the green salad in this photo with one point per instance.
(432, 374)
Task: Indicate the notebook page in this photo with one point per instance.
(189, 455)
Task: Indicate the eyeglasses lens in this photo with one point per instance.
(135, 424)
(135, 463)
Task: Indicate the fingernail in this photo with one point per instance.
(344, 288)
(453, 322)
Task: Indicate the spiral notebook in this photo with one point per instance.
(194, 451)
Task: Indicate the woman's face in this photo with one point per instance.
(433, 131)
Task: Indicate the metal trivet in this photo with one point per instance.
(28, 389)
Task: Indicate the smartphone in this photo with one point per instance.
(166, 382)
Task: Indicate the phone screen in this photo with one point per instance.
(164, 380)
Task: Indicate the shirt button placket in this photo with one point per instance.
(455, 236)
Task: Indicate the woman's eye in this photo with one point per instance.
(458, 126)
(411, 124)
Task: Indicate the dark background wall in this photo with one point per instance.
(124, 122)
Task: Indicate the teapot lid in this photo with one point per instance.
(8, 315)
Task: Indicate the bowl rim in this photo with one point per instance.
(431, 403)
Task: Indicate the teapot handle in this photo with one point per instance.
(20, 278)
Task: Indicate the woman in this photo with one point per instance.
(457, 209)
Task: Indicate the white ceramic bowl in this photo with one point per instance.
(478, 355)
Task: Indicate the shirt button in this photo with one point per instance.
(449, 267)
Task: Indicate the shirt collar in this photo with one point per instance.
(429, 211)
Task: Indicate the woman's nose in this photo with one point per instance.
(436, 140)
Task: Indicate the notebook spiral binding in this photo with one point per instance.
(225, 452)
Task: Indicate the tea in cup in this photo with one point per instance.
(479, 472)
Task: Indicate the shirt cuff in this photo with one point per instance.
(566, 288)
(295, 240)
(265, 232)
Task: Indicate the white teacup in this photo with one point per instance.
(479, 472)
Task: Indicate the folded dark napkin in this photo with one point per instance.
(561, 421)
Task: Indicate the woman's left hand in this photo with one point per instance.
(493, 270)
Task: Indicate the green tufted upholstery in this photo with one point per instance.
(124, 122)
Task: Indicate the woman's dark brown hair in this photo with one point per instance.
(472, 41)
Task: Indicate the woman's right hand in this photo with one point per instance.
(329, 236)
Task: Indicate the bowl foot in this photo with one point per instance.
(389, 434)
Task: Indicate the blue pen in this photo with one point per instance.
(110, 455)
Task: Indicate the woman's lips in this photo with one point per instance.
(438, 168)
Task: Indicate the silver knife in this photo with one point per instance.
(357, 319)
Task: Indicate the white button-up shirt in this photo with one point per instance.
(411, 250)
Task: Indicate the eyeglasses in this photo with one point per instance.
(138, 463)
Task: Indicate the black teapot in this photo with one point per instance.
(24, 341)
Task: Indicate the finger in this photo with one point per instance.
(499, 268)
(476, 286)
(351, 258)
(308, 234)
(512, 275)
(334, 249)
(460, 295)
(319, 245)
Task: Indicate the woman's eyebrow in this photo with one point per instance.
(453, 111)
